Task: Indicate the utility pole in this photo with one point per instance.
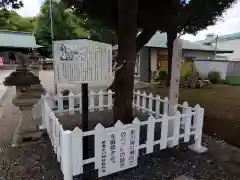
(52, 37)
(216, 45)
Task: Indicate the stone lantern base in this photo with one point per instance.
(28, 93)
(27, 130)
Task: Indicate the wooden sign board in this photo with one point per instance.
(82, 61)
(118, 149)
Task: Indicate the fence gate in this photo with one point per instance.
(82, 61)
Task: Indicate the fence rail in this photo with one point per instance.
(117, 148)
(142, 101)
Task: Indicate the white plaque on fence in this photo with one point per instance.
(82, 61)
(118, 148)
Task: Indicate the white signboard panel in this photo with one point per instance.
(82, 61)
(119, 150)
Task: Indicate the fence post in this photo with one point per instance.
(176, 130)
(150, 134)
(58, 140)
(60, 103)
(157, 110)
(54, 133)
(99, 129)
(197, 146)
(46, 115)
(66, 159)
(136, 124)
(51, 119)
(42, 104)
(138, 100)
(91, 101)
(110, 103)
(59, 156)
(164, 132)
(165, 106)
(71, 103)
(77, 151)
(150, 103)
(80, 102)
(186, 121)
(144, 95)
(100, 94)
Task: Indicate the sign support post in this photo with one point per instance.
(85, 117)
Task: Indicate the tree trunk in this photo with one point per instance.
(171, 36)
(127, 26)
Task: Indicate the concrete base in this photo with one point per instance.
(27, 129)
(183, 177)
(198, 150)
(27, 138)
(31, 136)
(41, 127)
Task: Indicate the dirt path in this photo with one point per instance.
(37, 162)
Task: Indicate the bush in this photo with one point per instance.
(155, 76)
(223, 81)
(191, 74)
(214, 77)
(163, 75)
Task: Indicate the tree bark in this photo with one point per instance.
(127, 29)
(171, 36)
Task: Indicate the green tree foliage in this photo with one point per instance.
(99, 32)
(214, 77)
(66, 26)
(14, 4)
(191, 16)
(171, 16)
(10, 20)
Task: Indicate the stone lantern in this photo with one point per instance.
(34, 63)
(27, 95)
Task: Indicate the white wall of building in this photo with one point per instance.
(137, 66)
(204, 67)
(233, 45)
(153, 59)
(197, 54)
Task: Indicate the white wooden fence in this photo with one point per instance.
(117, 148)
(100, 100)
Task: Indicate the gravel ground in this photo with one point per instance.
(9, 119)
(37, 161)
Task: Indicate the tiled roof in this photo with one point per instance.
(229, 37)
(17, 39)
(160, 40)
(220, 38)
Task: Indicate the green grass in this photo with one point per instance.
(233, 80)
(221, 104)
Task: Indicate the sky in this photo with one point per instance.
(229, 23)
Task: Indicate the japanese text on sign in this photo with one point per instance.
(119, 150)
(103, 164)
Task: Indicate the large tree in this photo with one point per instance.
(66, 25)
(12, 21)
(14, 4)
(100, 32)
(128, 18)
(191, 16)
(5, 5)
